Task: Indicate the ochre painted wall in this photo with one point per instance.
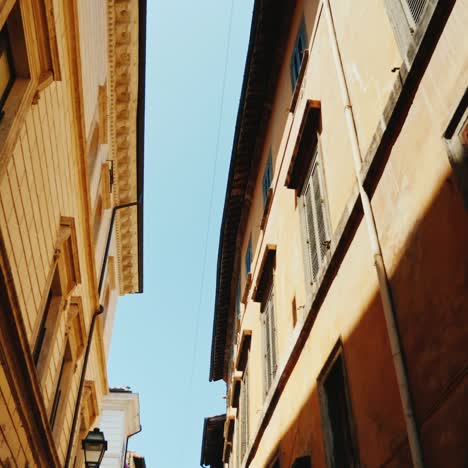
(423, 229)
(45, 179)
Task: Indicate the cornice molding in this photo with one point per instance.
(122, 16)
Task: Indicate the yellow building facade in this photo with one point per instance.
(340, 311)
(71, 214)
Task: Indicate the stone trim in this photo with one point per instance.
(123, 17)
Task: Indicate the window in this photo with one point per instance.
(302, 462)
(405, 16)
(456, 140)
(315, 220)
(298, 52)
(294, 311)
(244, 415)
(48, 321)
(248, 256)
(413, 10)
(61, 392)
(7, 71)
(238, 298)
(65, 276)
(13, 59)
(275, 463)
(336, 415)
(267, 179)
(269, 341)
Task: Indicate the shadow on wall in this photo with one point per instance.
(430, 290)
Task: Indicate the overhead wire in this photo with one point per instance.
(210, 210)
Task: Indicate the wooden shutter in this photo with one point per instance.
(269, 340)
(272, 335)
(266, 385)
(267, 178)
(315, 221)
(267, 348)
(298, 51)
(414, 10)
(248, 256)
(244, 431)
(310, 231)
(319, 207)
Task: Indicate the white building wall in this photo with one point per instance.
(120, 418)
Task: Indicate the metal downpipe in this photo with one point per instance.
(389, 312)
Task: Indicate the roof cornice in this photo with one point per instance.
(268, 34)
(127, 48)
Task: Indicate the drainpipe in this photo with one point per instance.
(126, 445)
(109, 238)
(384, 286)
(91, 332)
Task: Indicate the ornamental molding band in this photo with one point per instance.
(122, 16)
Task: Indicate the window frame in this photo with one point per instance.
(410, 18)
(267, 179)
(34, 52)
(248, 257)
(336, 358)
(269, 339)
(244, 428)
(457, 146)
(405, 27)
(62, 392)
(5, 47)
(316, 167)
(64, 277)
(297, 55)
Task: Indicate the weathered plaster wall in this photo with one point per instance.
(423, 229)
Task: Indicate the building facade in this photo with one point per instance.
(71, 184)
(135, 461)
(119, 420)
(340, 322)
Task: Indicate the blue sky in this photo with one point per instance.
(162, 338)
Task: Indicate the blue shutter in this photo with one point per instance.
(248, 256)
(267, 178)
(298, 51)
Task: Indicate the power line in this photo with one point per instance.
(210, 209)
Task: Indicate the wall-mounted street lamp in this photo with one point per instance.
(94, 447)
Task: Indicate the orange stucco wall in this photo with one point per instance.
(423, 230)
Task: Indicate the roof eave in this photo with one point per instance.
(260, 94)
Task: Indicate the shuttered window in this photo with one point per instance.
(248, 256)
(267, 179)
(269, 332)
(244, 415)
(414, 10)
(315, 221)
(7, 73)
(456, 140)
(298, 52)
(406, 16)
(337, 416)
(48, 322)
(62, 393)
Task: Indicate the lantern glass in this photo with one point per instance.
(94, 447)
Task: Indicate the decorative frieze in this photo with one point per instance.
(123, 92)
